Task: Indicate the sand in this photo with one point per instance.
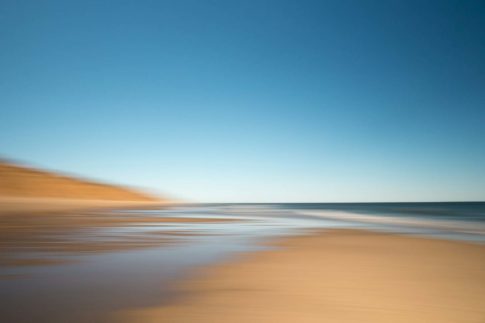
(335, 276)
(27, 182)
(68, 228)
(25, 190)
(26, 205)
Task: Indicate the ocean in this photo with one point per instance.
(449, 220)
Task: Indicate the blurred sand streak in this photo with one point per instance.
(21, 205)
(337, 276)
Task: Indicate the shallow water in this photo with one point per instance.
(101, 267)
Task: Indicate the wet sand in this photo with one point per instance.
(336, 276)
(82, 265)
(64, 228)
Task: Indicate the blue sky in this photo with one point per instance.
(250, 101)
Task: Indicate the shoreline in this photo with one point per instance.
(337, 275)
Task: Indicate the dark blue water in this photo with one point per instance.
(448, 220)
(460, 211)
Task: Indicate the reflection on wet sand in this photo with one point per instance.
(26, 238)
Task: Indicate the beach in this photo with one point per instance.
(335, 276)
(244, 263)
(242, 161)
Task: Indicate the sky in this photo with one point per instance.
(251, 100)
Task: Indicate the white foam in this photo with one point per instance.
(449, 225)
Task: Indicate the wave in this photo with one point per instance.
(448, 225)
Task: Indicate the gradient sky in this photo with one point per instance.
(251, 100)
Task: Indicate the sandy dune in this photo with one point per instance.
(27, 182)
(28, 190)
